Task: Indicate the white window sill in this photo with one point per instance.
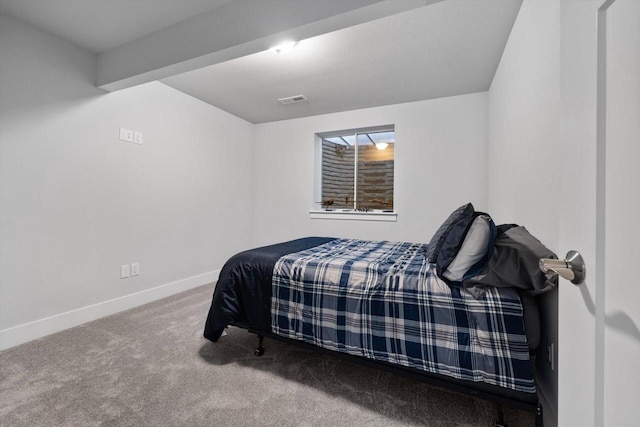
(347, 214)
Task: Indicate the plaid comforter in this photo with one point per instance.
(382, 300)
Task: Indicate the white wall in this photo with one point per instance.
(76, 202)
(524, 122)
(524, 159)
(440, 164)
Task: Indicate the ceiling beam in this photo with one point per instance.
(232, 30)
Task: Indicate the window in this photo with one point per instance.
(355, 170)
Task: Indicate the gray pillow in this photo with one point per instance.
(474, 248)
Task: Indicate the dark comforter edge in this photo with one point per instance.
(234, 303)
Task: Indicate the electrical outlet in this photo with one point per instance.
(135, 268)
(124, 271)
(137, 137)
(126, 135)
(550, 356)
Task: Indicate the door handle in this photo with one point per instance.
(571, 268)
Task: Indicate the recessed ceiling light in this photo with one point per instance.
(284, 46)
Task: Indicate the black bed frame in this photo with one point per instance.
(433, 379)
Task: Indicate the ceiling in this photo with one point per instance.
(444, 49)
(100, 25)
(439, 49)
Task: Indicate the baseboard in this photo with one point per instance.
(20, 334)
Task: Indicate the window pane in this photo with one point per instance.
(375, 170)
(383, 136)
(338, 162)
(349, 139)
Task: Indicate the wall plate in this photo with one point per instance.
(124, 271)
(126, 135)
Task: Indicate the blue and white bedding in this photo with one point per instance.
(383, 301)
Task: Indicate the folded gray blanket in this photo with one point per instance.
(515, 263)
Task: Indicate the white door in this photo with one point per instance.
(620, 334)
(599, 339)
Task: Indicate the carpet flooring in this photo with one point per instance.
(150, 366)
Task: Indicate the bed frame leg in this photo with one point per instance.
(259, 351)
(539, 419)
(500, 422)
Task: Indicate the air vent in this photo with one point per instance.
(293, 99)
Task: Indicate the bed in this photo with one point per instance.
(385, 304)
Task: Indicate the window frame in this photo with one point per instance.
(341, 213)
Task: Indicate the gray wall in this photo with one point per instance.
(77, 202)
(440, 163)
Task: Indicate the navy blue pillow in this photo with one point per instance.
(454, 227)
(446, 242)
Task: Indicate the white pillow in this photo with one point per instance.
(474, 247)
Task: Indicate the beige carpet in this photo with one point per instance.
(150, 366)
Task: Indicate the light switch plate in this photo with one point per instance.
(135, 268)
(137, 138)
(124, 271)
(126, 135)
